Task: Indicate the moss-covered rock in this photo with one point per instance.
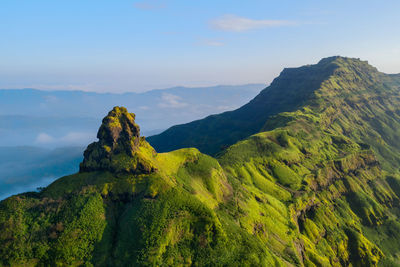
(120, 147)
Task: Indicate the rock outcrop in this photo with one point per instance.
(120, 147)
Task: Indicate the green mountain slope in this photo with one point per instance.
(318, 185)
(286, 93)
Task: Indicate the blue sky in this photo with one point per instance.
(116, 46)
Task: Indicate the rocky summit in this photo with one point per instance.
(120, 147)
(305, 174)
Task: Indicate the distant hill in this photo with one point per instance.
(212, 134)
(65, 118)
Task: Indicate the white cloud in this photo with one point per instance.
(234, 23)
(44, 138)
(71, 138)
(49, 100)
(171, 101)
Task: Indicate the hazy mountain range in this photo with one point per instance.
(60, 118)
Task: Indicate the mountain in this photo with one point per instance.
(216, 132)
(45, 118)
(317, 184)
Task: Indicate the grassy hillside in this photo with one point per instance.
(333, 167)
(318, 185)
(288, 92)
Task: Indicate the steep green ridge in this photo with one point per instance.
(288, 92)
(319, 185)
(333, 166)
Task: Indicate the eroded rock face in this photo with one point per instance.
(119, 131)
(120, 147)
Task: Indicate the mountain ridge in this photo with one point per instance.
(256, 108)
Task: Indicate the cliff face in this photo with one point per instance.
(317, 184)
